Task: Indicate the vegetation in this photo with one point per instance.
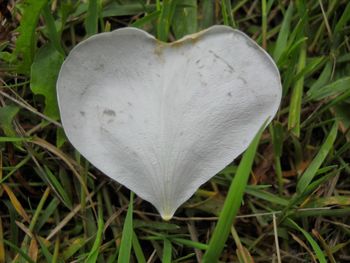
(289, 198)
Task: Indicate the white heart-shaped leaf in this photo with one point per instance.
(160, 118)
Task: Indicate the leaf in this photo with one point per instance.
(343, 19)
(166, 16)
(167, 249)
(15, 203)
(18, 250)
(115, 9)
(53, 34)
(74, 246)
(7, 113)
(297, 94)
(126, 242)
(185, 18)
(25, 44)
(312, 242)
(57, 187)
(92, 257)
(137, 249)
(44, 72)
(91, 21)
(207, 13)
(44, 250)
(311, 171)
(139, 23)
(284, 32)
(333, 89)
(232, 202)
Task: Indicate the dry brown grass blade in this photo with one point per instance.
(194, 237)
(324, 245)
(302, 243)
(67, 161)
(276, 238)
(31, 109)
(25, 229)
(16, 204)
(242, 253)
(33, 250)
(68, 217)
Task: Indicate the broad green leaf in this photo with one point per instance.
(7, 113)
(44, 72)
(26, 42)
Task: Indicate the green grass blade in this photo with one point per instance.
(208, 13)
(18, 250)
(44, 250)
(332, 89)
(58, 188)
(232, 203)
(190, 243)
(53, 34)
(311, 171)
(227, 13)
(92, 17)
(297, 94)
(125, 245)
(343, 19)
(137, 249)
(282, 38)
(167, 249)
(93, 255)
(313, 243)
(116, 9)
(146, 19)
(166, 16)
(185, 18)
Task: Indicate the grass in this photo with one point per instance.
(286, 200)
